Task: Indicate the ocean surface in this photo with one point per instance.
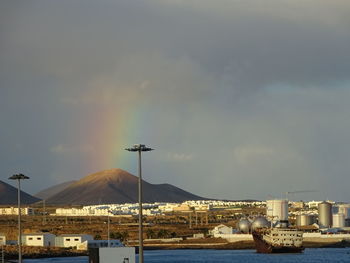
(316, 255)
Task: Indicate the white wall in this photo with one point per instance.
(2, 240)
(235, 237)
(73, 241)
(39, 240)
(117, 255)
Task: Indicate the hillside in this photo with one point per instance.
(117, 186)
(51, 191)
(8, 195)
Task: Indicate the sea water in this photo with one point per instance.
(312, 255)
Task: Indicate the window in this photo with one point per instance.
(67, 239)
(38, 238)
(76, 239)
(30, 238)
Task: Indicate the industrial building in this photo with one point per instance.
(39, 239)
(221, 229)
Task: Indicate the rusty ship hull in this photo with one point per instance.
(268, 241)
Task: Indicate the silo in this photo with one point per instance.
(325, 215)
(344, 209)
(260, 222)
(277, 210)
(244, 225)
(339, 220)
(305, 220)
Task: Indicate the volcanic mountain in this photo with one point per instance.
(117, 186)
(8, 195)
(48, 192)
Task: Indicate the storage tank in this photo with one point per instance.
(277, 210)
(344, 209)
(325, 215)
(339, 220)
(305, 220)
(244, 225)
(260, 222)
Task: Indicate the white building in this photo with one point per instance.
(99, 243)
(2, 239)
(14, 211)
(221, 229)
(71, 240)
(40, 239)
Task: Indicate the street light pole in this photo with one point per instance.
(109, 244)
(19, 177)
(140, 148)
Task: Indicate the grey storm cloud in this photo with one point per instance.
(250, 97)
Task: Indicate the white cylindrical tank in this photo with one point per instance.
(277, 210)
(325, 215)
(339, 220)
(305, 220)
(344, 209)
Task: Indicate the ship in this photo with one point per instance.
(278, 240)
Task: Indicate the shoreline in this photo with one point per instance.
(51, 252)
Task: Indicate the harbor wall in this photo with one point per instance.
(235, 237)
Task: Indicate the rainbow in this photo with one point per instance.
(110, 133)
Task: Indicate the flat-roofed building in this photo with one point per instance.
(14, 211)
(2, 239)
(99, 243)
(39, 239)
(71, 240)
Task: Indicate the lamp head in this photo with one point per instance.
(18, 177)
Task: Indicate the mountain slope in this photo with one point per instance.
(48, 192)
(8, 195)
(117, 186)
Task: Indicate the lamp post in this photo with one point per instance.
(140, 148)
(108, 229)
(19, 177)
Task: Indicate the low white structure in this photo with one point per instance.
(39, 239)
(235, 237)
(99, 243)
(319, 237)
(221, 229)
(14, 211)
(2, 239)
(117, 255)
(71, 240)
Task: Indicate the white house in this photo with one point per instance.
(99, 243)
(2, 239)
(221, 229)
(39, 239)
(71, 240)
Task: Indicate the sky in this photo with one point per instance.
(241, 99)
